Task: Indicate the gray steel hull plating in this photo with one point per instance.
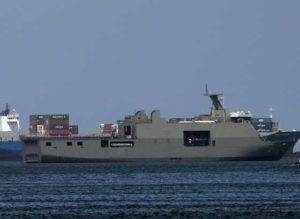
(151, 149)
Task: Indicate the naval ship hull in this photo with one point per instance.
(97, 149)
(263, 153)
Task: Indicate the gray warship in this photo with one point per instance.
(217, 136)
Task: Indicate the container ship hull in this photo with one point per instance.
(10, 150)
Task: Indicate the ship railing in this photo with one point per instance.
(86, 135)
(82, 135)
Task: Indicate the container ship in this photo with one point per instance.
(217, 136)
(51, 125)
(10, 144)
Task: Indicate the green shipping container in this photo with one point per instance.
(58, 116)
(35, 117)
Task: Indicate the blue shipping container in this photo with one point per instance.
(58, 127)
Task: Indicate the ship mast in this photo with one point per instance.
(6, 111)
(218, 111)
(271, 112)
(215, 99)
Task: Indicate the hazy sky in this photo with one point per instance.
(99, 60)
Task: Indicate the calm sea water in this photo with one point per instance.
(150, 190)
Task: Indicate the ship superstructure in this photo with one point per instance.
(220, 135)
(10, 144)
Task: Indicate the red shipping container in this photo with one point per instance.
(74, 132)
(58, 122)
(58, 132)
(38, 122)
